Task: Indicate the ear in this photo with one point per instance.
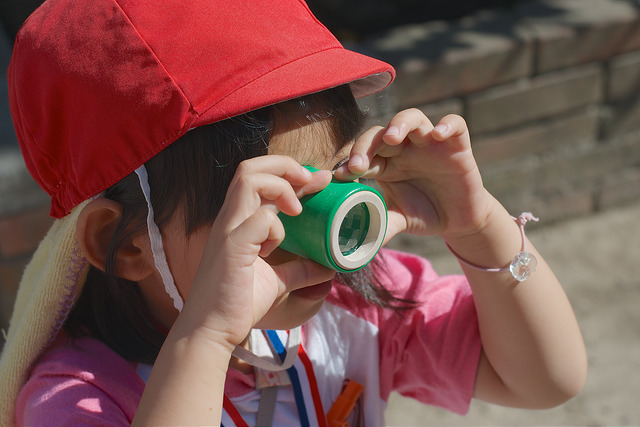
(94, 232)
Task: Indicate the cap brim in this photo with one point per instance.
(319, 71)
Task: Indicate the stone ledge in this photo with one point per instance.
(438, 60)
(586, 167)
(623, 80)
(536, 138)
(541, 97)
(574, 32)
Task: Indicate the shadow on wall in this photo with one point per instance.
(14, 12)
(358, 20)
(355, 20)
(7, 134)
(483, 17)
(350, 20)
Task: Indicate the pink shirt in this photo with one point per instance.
(429, 353)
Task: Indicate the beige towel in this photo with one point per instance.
(48, 288)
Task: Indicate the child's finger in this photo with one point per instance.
(453, 129)
(255, 190)
(303, 181)
(252, 191)
(301, 273)
(262, 229)
(320, 179)
(411, 124)
(282, 166)
(363, 150)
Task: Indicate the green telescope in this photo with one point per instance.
(341, 227)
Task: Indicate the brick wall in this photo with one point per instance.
(550, 90)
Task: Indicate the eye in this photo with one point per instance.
(340, 163)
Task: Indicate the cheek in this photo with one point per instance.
(184, 259)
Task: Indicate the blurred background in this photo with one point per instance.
(550, 90)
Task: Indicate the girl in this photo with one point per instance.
(169, 136)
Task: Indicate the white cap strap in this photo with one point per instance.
(160, 261)
(159, 257)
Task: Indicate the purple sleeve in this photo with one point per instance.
(81, 384)
(429, 352)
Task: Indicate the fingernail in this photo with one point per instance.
(326, 172)
(441, 128)
(356, 160)
(392, 131)
(306, 171)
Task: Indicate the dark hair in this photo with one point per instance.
(112, 309)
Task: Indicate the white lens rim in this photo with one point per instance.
(374, 237)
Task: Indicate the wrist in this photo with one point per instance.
(491, 247)
(201, 338)
(522, 265)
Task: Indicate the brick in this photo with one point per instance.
(516, 203)
(586, 168)
(381, 108)
(437, 60)
(541, 97)
(623, 79)
(632, 40)
(621, 117)
(436, 111)
(560, 205)
(512, 182)
(574, 32)
(537, 138)
(619, 188)
(20, 234)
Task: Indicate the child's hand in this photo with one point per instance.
(234, 287)
(431, 181)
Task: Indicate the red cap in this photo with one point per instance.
(98, 87)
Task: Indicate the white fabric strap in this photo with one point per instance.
(159, 257)
(293, 343)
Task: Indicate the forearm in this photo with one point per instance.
(534, 351)
(186, 385)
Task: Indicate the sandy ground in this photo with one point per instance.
(597, 259)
